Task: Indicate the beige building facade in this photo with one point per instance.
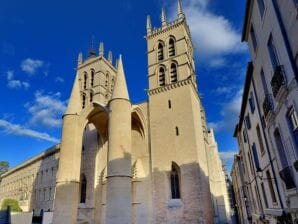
(33, 182)
(152, 162)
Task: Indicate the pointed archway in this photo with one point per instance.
(68, 178)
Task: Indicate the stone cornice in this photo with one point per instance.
(54, 149)
(169, 87)
(90, 61)
(169, 26)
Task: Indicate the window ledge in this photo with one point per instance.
(175, 203)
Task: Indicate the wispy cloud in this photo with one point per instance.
(227, 157)
(15, 129)
(59, 79)
(13, 83)
(214, 35)
(46, 110)
(217, 62)
(229, 112)
(223, 90)
(30, 66)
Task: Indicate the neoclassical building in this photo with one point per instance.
(152, 162)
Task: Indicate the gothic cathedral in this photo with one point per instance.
(152, 162)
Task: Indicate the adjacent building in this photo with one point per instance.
(264, 173)
(118, 162)
(33, 182)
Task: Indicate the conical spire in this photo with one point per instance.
(120, 88)
(110, 57)
(80, 58)
(180, 10)
(149, 28)
(101, 49)
(163, 18)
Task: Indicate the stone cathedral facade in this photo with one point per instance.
(152, 162)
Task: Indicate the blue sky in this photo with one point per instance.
(40, 42)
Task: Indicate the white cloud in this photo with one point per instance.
(26, 85)
(227, 157)
(230, 113)
(30, 66)
(213, 35)
(217, 62)
(15, 129)
(46, 110)
(223, 90)
(59, 79)
(9, 75)
(14, 83)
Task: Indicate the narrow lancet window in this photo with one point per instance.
(107, 80)
(173, 73)
(91, 97)
(92, 78)
(160, 52)
(83, 189)
(83, 101)
(162, 76)
(85, 80)
(172, 47)
(177, 131)
(175, 187)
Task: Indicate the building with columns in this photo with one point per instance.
(264, 174)
(151, 162)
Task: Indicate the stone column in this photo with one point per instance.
(68, 179)
(119, 208)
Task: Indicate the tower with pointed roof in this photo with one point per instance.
(178, 132)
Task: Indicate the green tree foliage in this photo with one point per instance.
(14, 205)
(3, 166)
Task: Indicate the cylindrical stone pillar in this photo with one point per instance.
(118, 208)
(68, 178)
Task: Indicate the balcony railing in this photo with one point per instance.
(287, 176)
(268, 104)
(278, 80)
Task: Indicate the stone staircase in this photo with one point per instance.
(4, 217)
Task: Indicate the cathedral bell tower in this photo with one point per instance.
(170, 52)
(177, 130)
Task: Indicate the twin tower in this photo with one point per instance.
(150, 160)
